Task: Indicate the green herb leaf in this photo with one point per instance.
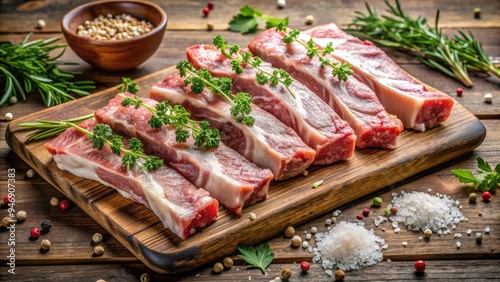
(248, 19)
(128, 85)
(260, 257)
(487, 178)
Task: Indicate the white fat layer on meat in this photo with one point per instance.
(257, 149)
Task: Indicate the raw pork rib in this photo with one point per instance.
(179, 204)
(400, 94)
(267, 143)
(314, 121)
(222, 171)
(352, 100)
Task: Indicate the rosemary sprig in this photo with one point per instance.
(232, 52)
(27, 68)
(201, 79)
(342, 70)
(102, 134)
(454, 57)
(177, 116)
(50, 128)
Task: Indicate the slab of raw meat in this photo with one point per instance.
(229, 177)
(400, 94)
(313, 120)
(267, 143)
(181, 206)
(352, 100)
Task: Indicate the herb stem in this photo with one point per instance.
(50, 128)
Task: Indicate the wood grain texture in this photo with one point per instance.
(142, 233)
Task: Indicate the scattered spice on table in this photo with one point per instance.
(228, 262)
(420, 266)
(290, 232)
(54, 202)
(21, 215)
(45, 226)
(45, 244)
(218, 268)
(286, 274)
(35, 233)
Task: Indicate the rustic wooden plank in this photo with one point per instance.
(162, 251)
(187, 15)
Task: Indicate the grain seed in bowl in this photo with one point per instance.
(111, 27)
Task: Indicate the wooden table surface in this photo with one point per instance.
(70, 256)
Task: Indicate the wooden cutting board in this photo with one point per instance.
(290, 202)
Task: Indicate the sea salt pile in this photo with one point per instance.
(419, 211)
(348, 246)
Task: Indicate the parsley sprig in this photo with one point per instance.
(248, 19)
(201, 79)
(102, 134)
(260, 257)
(342, 70)
(128, 85)
(232, 52)
(177, 116)
(488, 179)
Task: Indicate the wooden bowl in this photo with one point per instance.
(121, 54)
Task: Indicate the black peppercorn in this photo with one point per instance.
(45, 226)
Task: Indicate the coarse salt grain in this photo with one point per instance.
(337, 247)
(487, 230)
(418, 211)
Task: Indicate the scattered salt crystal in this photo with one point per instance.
(405, 244)
(253, 216)
(458, 245)
(308, 236)
(385, 246)
(420, 237)
(440, 232)
(328, 222)
(389, 260)
(310, 249)
(337, 247)
(487, 230)
(305, 244)
(469, 231)
(383, 229)
(429, 190)
(397, 230)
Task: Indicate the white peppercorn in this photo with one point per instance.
(290, 232)
(218, 267)
(296, 241)
(97, 238)
(309, 19)
(54, 202)
(21, 215)
(45, 244)
(98, 250)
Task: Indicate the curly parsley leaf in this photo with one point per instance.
(248, 19)
(128, 85)
(488, 179)
(260, 257)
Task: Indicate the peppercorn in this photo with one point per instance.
(459, 91)
(6, 221)
(228, 262)
(218, 267)
(296, 241)
(30, 173)
(210, 25)
(387, 211)
(394, 209)
(314, 230)
(144, 277)
(13, 100)
(210, 5)
(333, 219)
(206, 11)
(420, 266)
(477, 12)
(366, 212)
(359, 217)
(7, 199)
(63, 205)
(305, 266)
(339, 275)
(309, 20)
(488, 98)
(253, 216)
(427, 233)
(486, 196)
(286, 274)
(290, 232)
(114, 28)
(472, 197)
(21, 215)
(40, 24)
(54, 202)
(97, 238)
(281, 4)
(35, 233)
(377, 201)
(45, 225)
(479, 238)
(45, 244)
(10, 116)
(98, 250)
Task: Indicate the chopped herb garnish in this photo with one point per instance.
(260, 257)
(128, 85)
(341, 70)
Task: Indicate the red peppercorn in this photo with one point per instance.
(6, 199)
(460, 91)
(359, 216)
(366, 212)
(420, 266)
(305, 266)
(206, 11)
(35, 232)
(486, 196)
(210, 5)
(64, 205)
